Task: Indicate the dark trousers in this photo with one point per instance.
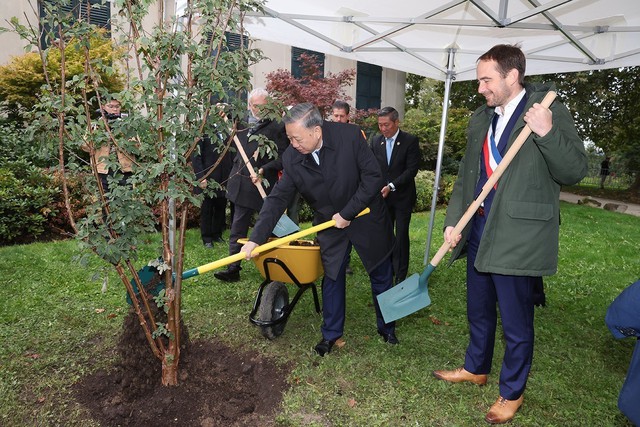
(104, 179)
(333, 298)
(400, 218)
(514, 297)
(212, 218)
(629, 399)
(293, 210)
(242, 218)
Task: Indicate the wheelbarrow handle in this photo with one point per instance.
(493, 179)
(262, 248)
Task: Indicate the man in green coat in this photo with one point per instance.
(512, 240)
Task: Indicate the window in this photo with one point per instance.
(100, 13)
(234, 42)
(368, 86)
(296, 61)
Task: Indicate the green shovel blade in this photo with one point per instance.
(285, 226)
(407, 297)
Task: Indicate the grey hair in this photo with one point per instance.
(307, 114)
(389, 111)
(259, 91)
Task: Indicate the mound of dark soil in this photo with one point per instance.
(217, 386)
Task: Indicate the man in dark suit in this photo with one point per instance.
(212, 210)
(331, 166)
(398, 154)
(241, 190)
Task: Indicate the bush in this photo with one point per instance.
(424, 189)
(59, 223)
(18, 144)
(26, 195)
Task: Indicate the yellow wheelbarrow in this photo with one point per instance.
(296, 262)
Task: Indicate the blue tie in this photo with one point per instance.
(389, 149)
(316, 156)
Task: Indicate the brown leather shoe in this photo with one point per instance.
(503, 410)
(460, 375)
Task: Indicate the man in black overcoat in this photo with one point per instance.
(212, 210)
(334, 170)
(241, 190)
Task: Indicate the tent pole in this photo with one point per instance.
(443, 130)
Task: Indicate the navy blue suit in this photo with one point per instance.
(623, 319)
(347, 180)
(401, 171)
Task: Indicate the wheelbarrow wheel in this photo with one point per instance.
(275, 298)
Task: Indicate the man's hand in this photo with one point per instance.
(340, 222)
(248, 249)
(385, 191)
(539, 119)
(449, 239)
(257, 179)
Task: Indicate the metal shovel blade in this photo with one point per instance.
(285, 226)
(407, 297)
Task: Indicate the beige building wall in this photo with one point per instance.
(279, 56)
(393, 88)
(11, 44)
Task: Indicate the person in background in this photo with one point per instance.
(398, 154)
(111, 111)
(213, 208)
(604, 171)
(512, 240)
(241, 190)
(333, 169)
(340, 111)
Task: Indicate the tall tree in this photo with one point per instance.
(604, 104)
(172, 72)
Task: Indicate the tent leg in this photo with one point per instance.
(443, 131)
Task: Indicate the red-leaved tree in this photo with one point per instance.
(312, 86)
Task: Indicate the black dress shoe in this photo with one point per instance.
(208, 245)
(389, 338)
(324, 347)
(218, 240)
(228, 275)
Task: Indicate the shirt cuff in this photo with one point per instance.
(391, 186)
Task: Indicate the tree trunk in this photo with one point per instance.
(169, 369)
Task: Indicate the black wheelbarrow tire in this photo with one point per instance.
(275, 297)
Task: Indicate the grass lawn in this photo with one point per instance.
(60, 316)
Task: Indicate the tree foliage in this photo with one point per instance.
(603, 104)
(426, 126)
(172, 72)
(22, 79)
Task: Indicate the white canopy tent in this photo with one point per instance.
(443, 40)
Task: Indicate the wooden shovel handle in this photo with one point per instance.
(495, 176)
(248, 164)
